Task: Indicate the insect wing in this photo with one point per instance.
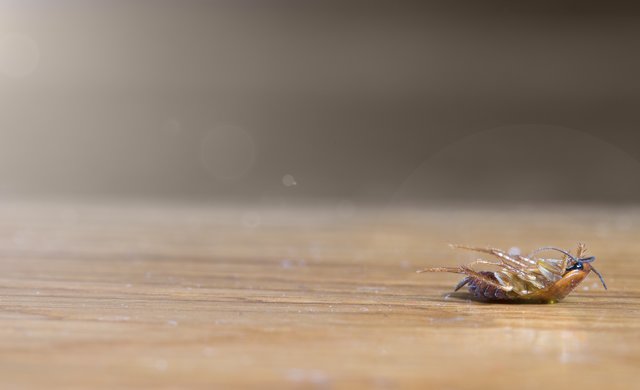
(550, 269)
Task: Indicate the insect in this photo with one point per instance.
(524, 279)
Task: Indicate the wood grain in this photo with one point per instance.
(135, 296)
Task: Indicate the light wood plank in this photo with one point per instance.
(104, 296)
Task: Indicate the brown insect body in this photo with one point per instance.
(523, 279)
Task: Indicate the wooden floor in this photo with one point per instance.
(213, 297)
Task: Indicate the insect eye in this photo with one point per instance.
(577, 265)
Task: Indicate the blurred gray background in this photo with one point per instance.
(356, 102)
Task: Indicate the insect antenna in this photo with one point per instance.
(600, 276)
(554, 249)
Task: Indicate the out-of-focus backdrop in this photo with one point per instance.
(345, 102)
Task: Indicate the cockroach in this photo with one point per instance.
(524, 279)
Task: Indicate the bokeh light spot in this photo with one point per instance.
(288, 181)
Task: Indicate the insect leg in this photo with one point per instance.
(482, 261)
(506, 262)
(462, 283)
(504, 265)
(455, 270)
(494, 252)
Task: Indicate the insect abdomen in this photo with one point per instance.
(482, 290)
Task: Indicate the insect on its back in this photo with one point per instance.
(524, 279)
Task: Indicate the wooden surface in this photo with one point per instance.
(211, 297)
